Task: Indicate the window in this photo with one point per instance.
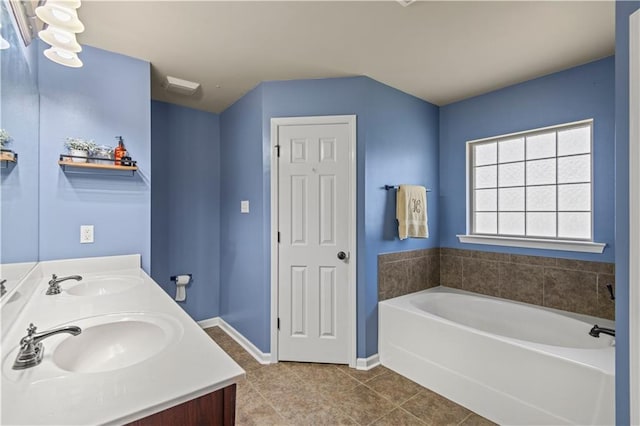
(532, 186)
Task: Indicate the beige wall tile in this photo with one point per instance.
(392, 280)
(480, 276)
(433, 275)
(574, 291)
(487, 255)
(581, 265)
(417, 274)
(606, 306)
(451, 271)
(446, 251)
(521, 282)
(533, 260)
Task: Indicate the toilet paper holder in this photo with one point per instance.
(175, 277)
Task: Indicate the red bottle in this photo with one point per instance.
(120, 151)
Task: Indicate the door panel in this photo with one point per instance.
(299, 210)
(298, 301)
(327, 210)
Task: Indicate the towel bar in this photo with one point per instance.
(388, 187)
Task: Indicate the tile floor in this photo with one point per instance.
(291, 393)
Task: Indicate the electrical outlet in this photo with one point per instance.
(86, 234)
(244, 206)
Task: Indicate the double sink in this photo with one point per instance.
(106, 342)
(137, 351)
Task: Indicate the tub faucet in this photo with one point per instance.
(595, 331)
(54, 284)
(31, 348)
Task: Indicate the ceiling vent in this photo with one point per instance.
(180, 86)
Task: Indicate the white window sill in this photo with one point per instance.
(565, 245)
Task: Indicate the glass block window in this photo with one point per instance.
(534, 184)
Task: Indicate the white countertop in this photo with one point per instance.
(191, 365)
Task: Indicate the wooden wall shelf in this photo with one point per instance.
(8, 157)
(69, 163)
(66, 161)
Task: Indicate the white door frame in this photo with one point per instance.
(330, 119)
(634, 217)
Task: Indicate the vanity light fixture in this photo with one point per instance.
(63, 57)
(4, 44)
(63, 24)
(61, 14)
(60, 38)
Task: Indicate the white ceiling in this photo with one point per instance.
(439, 51)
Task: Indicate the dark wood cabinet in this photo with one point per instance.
(214, 409)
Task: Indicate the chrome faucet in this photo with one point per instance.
(54, 284)
(3, 289)
(595, 331)
(31, 348)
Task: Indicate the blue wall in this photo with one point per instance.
(579, 93)
(107, 97)
(397, 143)
(401, 137)
(19, 108)
(623, 10)
(185, 200)
(160, 197)
(244, 297)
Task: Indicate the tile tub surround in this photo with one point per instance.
(407, 272)
(570, 285)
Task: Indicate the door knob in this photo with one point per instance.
(342, 255)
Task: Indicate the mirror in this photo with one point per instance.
(19, 118)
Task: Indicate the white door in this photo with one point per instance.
(314, 224)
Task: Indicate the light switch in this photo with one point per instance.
(244, 206)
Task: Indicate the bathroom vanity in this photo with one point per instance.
(139, 358)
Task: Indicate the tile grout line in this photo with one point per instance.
(268, 401)
(384, 397)
(299, 377)
(411, 414)
(466, 417)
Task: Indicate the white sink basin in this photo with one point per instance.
(100, 286)
(112, 342)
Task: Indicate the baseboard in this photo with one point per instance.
(261, 357)
(209, 322)
(368, 363)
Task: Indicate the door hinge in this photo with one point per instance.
(278, 236)
(278, 323)
(278, 150)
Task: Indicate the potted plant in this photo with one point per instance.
(79, 148)
(5, 139)
(101, 154)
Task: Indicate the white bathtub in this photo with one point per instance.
(510, 362)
